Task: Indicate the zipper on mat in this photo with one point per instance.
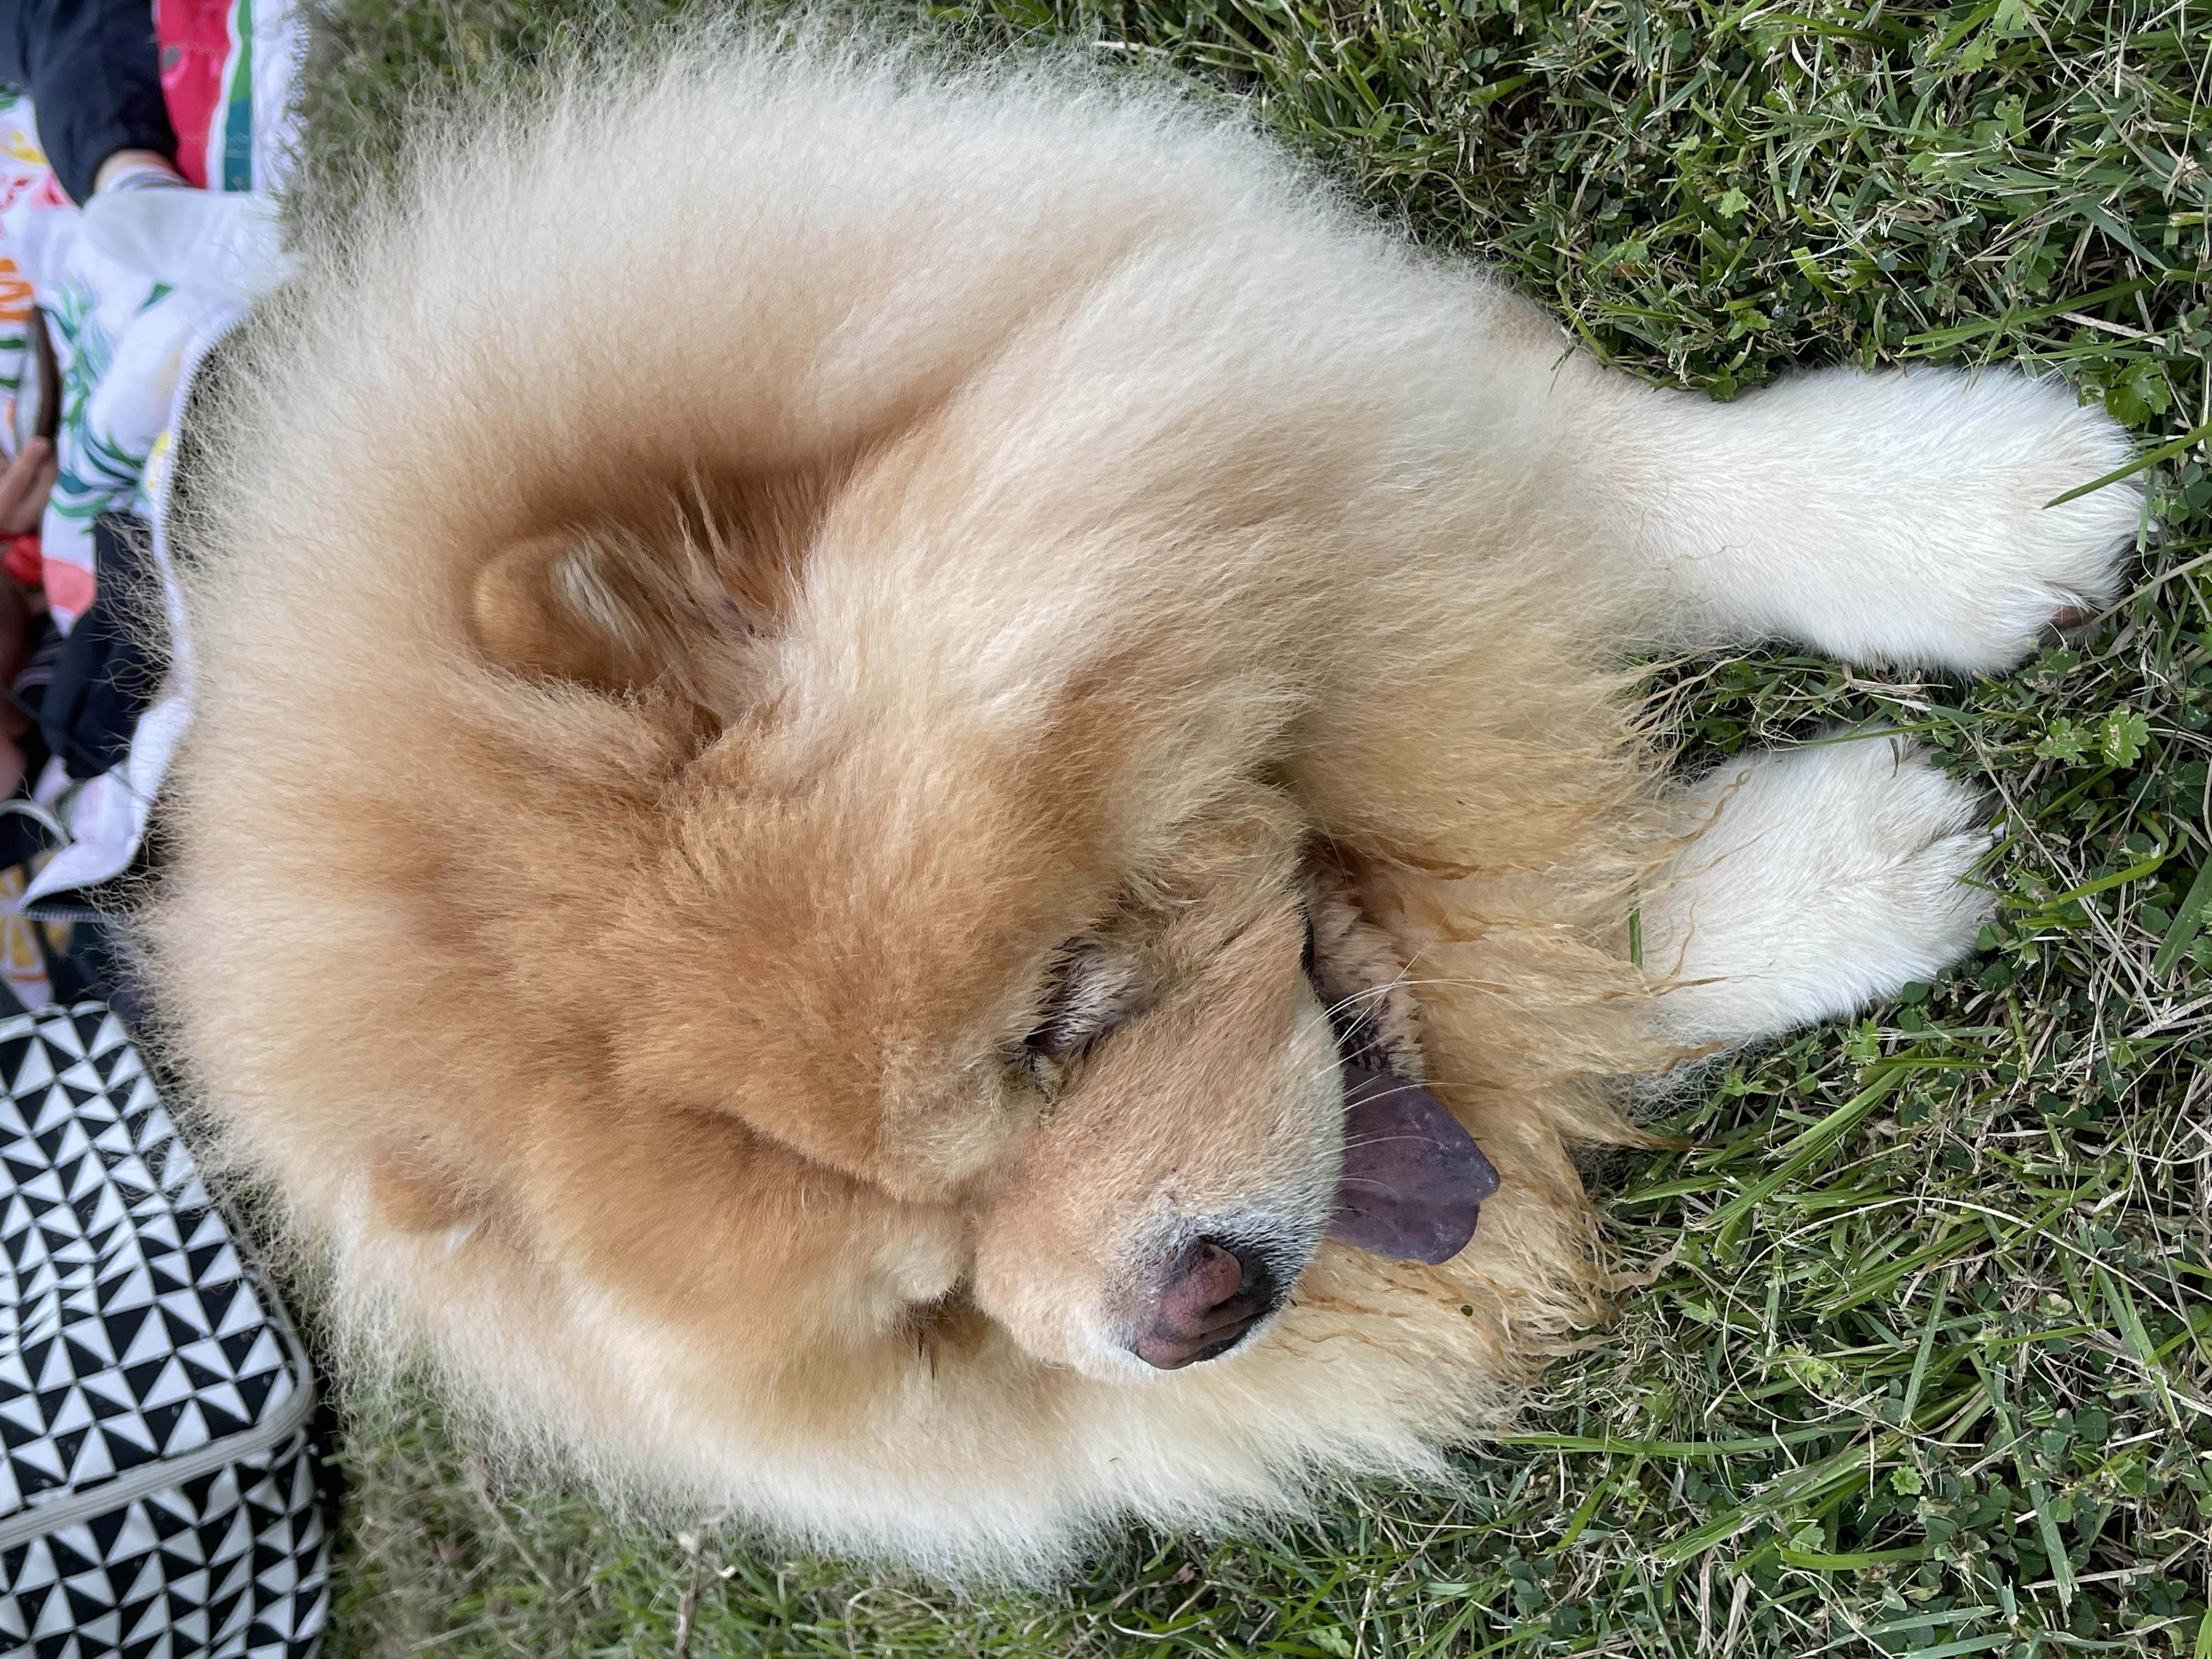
(158, 1476)
(40, 1518)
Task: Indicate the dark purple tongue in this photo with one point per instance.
(1413, 1180)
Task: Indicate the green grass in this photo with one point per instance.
(1929, 1369)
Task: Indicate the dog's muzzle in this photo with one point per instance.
(1412, 1187)
(1213, 1296)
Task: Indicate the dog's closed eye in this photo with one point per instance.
(1089, 994)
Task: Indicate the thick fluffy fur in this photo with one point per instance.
(785, 640)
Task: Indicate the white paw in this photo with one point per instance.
(1825, 879)
(1999, 448)
(1905, 517)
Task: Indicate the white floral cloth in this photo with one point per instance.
(126, 345)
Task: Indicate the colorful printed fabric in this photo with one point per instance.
(23, 175)
(218, 100)
(125, 345)
(118, 338)
(121, 338)
(22, 951)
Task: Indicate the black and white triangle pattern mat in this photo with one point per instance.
(130, 1335)
(233, 1564)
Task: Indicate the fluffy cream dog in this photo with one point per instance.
(847, 712)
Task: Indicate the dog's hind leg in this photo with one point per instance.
(1817, 880)
(1901, 518)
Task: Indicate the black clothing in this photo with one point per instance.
(95, 77)
(106, 672)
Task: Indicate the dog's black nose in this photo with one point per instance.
(1207, 1302)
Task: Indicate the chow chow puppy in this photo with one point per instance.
(890, 758)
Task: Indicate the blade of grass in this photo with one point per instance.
(2181, 932)
(2164, 451)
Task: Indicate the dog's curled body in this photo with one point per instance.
(754, 584)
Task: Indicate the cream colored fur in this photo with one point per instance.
(1014, 510)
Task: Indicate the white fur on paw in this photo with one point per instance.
(1827, 877)
(2020, 563)
(1905, 517)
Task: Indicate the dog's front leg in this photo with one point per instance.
(1816, 880)
(1901, 518)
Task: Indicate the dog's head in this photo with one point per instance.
(1214, 1104)
(1126, 1044)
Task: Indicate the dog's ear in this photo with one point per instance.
(600, 612)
